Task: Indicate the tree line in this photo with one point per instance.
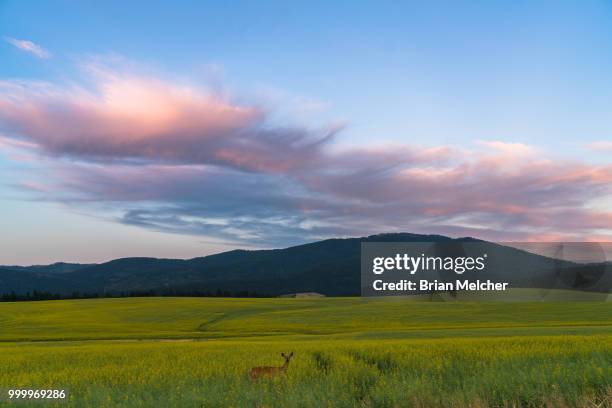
(43, 295)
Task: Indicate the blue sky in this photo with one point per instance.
(465, 76)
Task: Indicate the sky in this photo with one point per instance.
(180, 129)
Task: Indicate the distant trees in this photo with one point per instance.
(35, 295)
(38, 295)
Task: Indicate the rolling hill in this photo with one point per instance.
(330, 267)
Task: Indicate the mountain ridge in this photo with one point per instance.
(330, 266)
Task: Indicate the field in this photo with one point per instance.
(196, 352)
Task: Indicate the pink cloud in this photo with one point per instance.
(137, 117)
(170, 156)
(366, 195)
(510, 149)
(601, 146)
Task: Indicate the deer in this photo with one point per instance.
(257, 372)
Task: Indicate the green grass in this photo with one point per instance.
(348, 352)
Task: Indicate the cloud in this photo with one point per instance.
(441, 190)
(510, 149)
(175, 157)
(30, 47)
(601, 146)
(131, 117)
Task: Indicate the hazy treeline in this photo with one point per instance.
(43, 295)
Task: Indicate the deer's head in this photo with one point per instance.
(287, 357)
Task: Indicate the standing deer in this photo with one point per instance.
(257, 372)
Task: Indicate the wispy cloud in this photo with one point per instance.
(175, 157)
(29, 46)
(138, 117)
(601, 146)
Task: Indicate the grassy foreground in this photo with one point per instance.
(154, 352)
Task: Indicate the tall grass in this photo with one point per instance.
(538, 371)
(517, 367)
